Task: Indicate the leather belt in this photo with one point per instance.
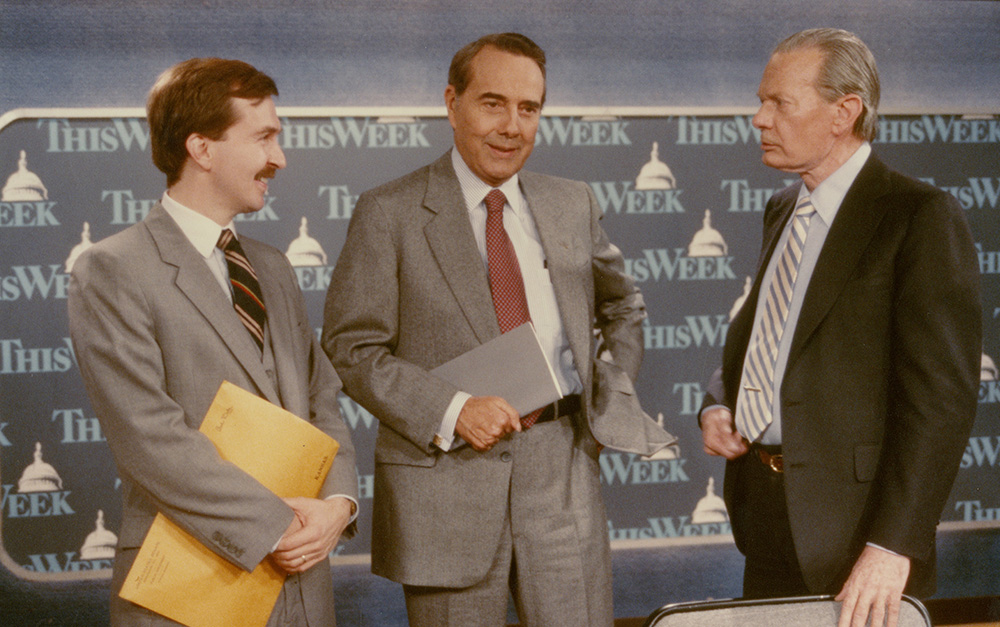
(565, 406)
(772, 459)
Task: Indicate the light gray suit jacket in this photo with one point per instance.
(409, 293)
(155, 336)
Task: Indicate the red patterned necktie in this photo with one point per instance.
(506, 282)
(247, 298)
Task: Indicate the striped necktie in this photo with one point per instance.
(755, 414)
(247, 298)
(506, 281)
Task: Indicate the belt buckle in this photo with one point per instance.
(776, 463)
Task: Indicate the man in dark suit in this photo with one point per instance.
(468, 501)
(160, 316)
(849, 378)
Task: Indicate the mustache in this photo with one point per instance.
(267, 173)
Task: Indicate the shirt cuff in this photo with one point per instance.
(882, 548)
(354, 505)
(445, 437)
(354, 515)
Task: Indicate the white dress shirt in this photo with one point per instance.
(542, 305)
(203, 233)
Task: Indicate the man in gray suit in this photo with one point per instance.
(160, 317)
(469, 501)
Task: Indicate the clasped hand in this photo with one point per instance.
(485, 420)
(313, 532)
(719, 434)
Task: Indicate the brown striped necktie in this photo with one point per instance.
(247, 298)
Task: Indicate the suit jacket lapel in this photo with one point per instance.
(449, 235)
(772, 233)
(196, 281)
(849, 236)
(281, 324)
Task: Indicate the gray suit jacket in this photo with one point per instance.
(409, 293)
(155, 336)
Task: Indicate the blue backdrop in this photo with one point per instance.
(612, 75)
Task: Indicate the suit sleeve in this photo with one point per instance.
(361, 332)
(114, 333)
(618, 305)
(936, 343)
(324, 408)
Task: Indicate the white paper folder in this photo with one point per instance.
(512, 366)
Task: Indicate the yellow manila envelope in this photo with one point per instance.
(176, 575)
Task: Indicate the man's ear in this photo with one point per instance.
(849, 108)
(450, 96)
(198, 149)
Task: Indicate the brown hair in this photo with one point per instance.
(195, 96)
(514, 43)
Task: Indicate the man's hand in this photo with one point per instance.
(485, 420)
(875, 587)
(718, 432)
(312, 534)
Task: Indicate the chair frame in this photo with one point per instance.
(692, 606)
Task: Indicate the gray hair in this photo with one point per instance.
(848, 68)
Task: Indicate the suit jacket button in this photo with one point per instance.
(505, 456)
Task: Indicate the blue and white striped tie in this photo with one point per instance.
(755, 414)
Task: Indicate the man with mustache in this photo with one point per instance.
(472, 501)
(850, 375)
(165, 311)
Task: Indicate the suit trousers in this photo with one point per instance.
(289, 609)
(554, 556)
(771, 569)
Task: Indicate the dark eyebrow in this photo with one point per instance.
(492, 96)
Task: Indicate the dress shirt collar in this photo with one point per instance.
(474, 189)
(202, 232)
(828, 195)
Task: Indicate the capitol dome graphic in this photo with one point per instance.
(39, 476)
(707, 242)
(100, 543)
(655, 174)
(710, 508)
(84, 244)
(23, 185)
(304, 250)
(988, 371)
(742, 298)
